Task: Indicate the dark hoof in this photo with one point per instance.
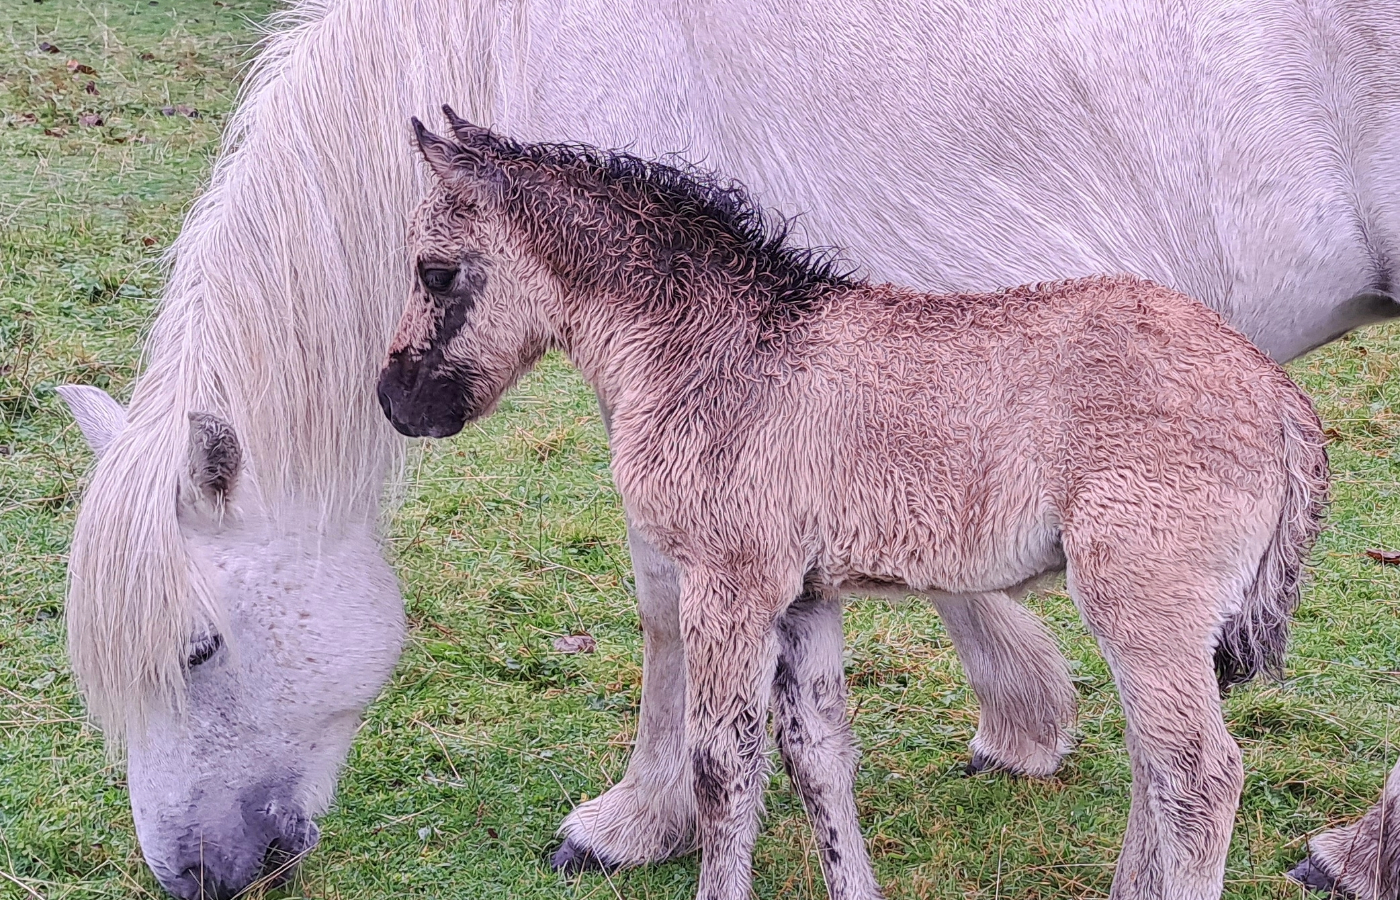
(980, 763)
(1312, 876)
(572, 858)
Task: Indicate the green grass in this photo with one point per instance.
(513, 535)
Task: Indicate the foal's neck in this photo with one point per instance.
(678, 268)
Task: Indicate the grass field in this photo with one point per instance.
(512, 535)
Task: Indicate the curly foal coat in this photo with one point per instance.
(781, 430)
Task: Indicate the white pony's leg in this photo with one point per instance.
(1361, 860)
(814, 736)
(649, 815)
(1028, 704)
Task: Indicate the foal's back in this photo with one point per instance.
(980, 426)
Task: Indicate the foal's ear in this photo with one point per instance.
(99, 416)
(441, 154)
(471, 137)
(215, 460)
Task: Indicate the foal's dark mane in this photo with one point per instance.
(689, 193)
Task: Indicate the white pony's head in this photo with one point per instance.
(237, 707)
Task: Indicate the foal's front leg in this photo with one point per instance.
(814, 735)
(731, 651)
(649, 815)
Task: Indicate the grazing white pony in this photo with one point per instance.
(230, 613)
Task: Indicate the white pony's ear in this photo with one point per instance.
(215, 460)
(99, 416)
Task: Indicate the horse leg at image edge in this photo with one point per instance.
(1187, 770)
(1361, 860)
(728, 627)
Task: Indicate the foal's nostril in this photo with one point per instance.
(278, 863)
(384, 402)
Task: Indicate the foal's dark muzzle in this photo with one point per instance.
(417, 403)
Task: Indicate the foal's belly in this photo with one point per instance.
(1012, 563)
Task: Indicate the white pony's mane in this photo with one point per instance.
(286, 282)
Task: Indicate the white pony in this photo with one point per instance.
(230, 612)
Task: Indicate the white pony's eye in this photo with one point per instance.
(204, 648)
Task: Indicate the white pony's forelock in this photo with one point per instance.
(266, 320)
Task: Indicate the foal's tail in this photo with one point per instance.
(1252, 641)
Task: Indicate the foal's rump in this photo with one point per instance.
(1253, 640)
(1111, 411)
(1217, 461)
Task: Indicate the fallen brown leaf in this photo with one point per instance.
(1386, 557)
(47, 47)
(575, 643)
(55, 132)
(75, 66)
(91, 120)
(148, 242)
(91, 88)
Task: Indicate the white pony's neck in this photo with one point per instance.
(285, 285)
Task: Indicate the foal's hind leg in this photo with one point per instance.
(1157, 633)
(1361, 860)
(814, 736)
(649, 815)
(1018, 673)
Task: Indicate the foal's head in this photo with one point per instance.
(523, 247)
(475, 265)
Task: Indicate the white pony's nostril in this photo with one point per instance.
(196, 884)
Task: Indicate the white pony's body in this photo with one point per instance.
(1243, 153)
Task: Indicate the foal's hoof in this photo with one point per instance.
(1312, 876)
(572, 858)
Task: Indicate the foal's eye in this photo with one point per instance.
(204, 649)
(437, 278)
